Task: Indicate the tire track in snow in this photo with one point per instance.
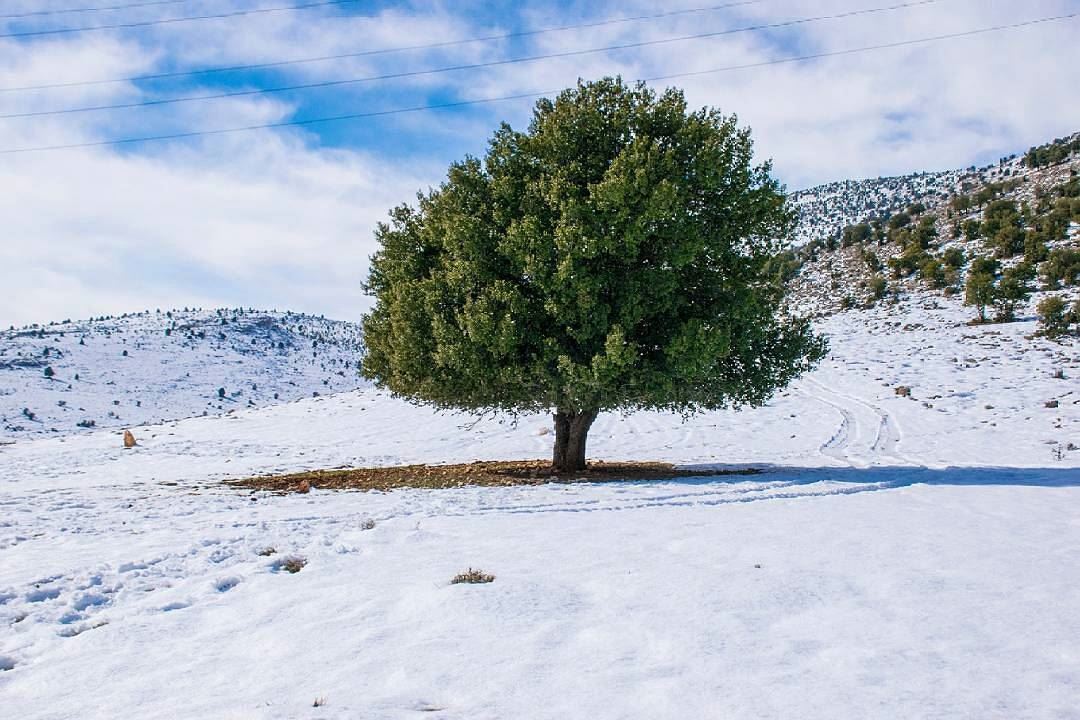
(850, 443)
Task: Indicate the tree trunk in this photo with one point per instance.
(571, 431)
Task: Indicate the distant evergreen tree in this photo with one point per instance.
(1011, 290)
(953, 258)
(979, 289)
(1053, 316)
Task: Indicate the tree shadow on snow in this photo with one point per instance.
(895, 476)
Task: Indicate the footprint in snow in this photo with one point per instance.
(179, 605)
(89, 600)
(73, 630)
(42, 594)
(226, 584)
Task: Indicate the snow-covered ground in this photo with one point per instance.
(900, 557)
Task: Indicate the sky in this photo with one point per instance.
(283, 217)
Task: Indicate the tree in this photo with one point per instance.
(953, 258)
(877, 286)
(1053, 316)
(932, 271)
(855, 235)
(49, 372)
(1011, 290)
(614, 256)
(979, 290)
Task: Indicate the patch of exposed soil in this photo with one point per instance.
(491, 474)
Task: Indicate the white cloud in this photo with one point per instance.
(270, 218)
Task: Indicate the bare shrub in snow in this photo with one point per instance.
(291, 564)
(472, 577)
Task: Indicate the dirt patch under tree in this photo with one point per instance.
(490, 474)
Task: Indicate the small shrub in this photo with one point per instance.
(472, 577)
(953, 257)
(932, 272)
(367, 524)
(49, 372)
(878, 286)
(1062, 267)
(291, 564)
(979, 292)
(1053, 316)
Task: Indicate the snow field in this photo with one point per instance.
(891, 560)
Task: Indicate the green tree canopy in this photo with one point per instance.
(614, 256)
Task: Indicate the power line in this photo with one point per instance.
(522, 96)
(455, 68)
(385, 51)
(186, 18)
(37, 13)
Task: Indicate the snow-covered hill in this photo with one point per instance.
(825, 210)
(835, 274)
(152, 366)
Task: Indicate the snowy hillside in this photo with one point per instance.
(153, 366)
(925, 246)
(825, 210)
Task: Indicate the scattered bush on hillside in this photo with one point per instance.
(783, 266)
(972, 228)
(49, 372)
(960, 203)
(1002, 226)
(855, 235)
(932, 272)
(907, 262)
(1035, 248)
(899, 220)
(1062, 267)
(878, 287)
(1053, 316)
(953, 258)
(1011, 290)
(1051, 153)
(979, 290)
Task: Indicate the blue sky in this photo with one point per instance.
(283, 218)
